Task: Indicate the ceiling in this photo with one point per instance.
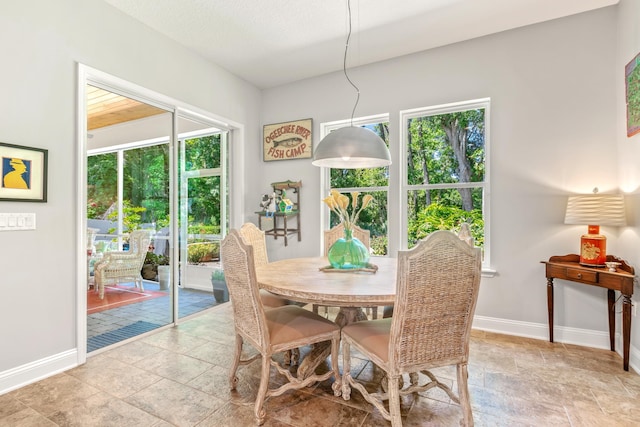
(275, 42)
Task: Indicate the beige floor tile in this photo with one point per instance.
(176, 403)
(48, 395)
(26, 417)
(101, 410)
(172, 340)
(117, 378)
(9, 405)
(177, 367)
(132, 352)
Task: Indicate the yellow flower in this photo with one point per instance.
(366, 200)
(354, 199)
(339, 204)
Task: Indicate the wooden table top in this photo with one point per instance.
(300, 279)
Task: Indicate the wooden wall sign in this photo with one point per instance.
(287, 141)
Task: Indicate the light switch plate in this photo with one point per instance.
(17, 221)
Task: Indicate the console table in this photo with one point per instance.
(568, 267)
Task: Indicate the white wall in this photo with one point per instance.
(553, 126)
(42, 42)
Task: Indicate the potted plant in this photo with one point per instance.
(156, 267)
(220, 290)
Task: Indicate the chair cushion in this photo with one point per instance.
(371, 335)
(291, 323)
(270, 300)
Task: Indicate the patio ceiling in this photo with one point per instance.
(105, 108)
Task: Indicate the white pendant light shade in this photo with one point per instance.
(351, 148)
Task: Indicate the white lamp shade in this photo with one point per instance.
(596, 209)
(351, 148)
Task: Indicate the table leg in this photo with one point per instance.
(611, 300)
(626, 329)
(322, 350)
(550, 306)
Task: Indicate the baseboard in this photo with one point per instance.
(35, 371)
(561, 334)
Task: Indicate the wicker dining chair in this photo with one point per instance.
(121, 266)
(330, 237)
(271, 331)
(464, 234)
(436, 295)
(255, 237)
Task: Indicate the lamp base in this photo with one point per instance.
(593, 248)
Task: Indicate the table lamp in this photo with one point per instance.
(595, 210)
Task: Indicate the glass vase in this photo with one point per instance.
(348, 252)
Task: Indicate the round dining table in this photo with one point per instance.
(311, 280)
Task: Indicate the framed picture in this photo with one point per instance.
(632, 84)
(287, 141)
(23, 173)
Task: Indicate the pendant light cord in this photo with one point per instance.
(344, 64)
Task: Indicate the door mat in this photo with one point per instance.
(126, 332)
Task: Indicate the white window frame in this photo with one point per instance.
(405, 116)
(325, 177)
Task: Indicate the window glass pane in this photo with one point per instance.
(146, 187)
(446, 166)
(102, 184)
(441, 209)
(446, 148)
(204, 204)
(202, 152)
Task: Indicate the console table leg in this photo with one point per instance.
(626, 329)
(611, 299)
(550, 306)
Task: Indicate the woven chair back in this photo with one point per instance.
(139, 244)
(437, 290)
(253, 236)
(336, 232)
(240, 275)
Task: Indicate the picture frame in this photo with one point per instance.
(288, 140)
(632, 95)
(23, 173)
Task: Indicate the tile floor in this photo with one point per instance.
(178, 377)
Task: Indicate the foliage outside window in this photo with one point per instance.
(145, 186)
(204, 192)
(373, 181)
(445, 175)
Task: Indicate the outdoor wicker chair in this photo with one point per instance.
(122, 266)
(271, 331)
(436, 295)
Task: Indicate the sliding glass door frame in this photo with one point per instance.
(94, 77)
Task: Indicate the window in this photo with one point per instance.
(445, 181)
(366, 181)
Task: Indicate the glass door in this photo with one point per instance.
(128, 176)
(203, 220)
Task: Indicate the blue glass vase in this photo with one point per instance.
(348, 252)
